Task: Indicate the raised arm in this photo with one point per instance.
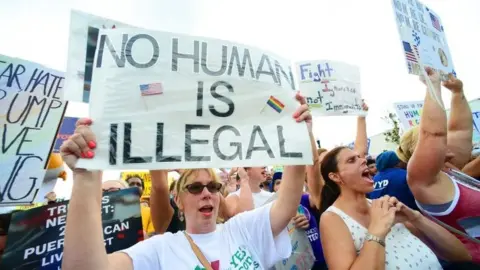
(460, 126)
(160, 208)
(84, 246)
(290, 193)
(244, 201)
(314, 178)
(361, 139)
(429, 155)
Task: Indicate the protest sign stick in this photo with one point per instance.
(144, 102)
(263, 109)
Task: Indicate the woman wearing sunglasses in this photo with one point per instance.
(255, 239)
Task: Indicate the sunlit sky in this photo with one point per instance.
(358, 32)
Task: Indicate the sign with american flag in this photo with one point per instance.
(151, 89)
(422, 36)
(435, 22)
(409, 53)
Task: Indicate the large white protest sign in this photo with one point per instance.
(84, 30)
(422, 31)
(31, 109)
(409, 113)
(331, 87)
(163, 100)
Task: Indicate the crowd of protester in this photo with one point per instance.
(414, 208)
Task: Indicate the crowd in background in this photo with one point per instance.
(414, 208)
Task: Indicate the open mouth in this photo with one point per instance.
(206, 210)
(366, 176)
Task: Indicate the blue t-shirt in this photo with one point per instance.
(393, 182)
(312, 232)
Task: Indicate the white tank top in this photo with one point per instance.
(403, 250)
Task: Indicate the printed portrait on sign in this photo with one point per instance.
(443, 57)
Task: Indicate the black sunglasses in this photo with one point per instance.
(197, 187)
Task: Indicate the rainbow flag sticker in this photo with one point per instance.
(275, 104)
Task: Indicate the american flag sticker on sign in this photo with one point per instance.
(409, 54)
(151, 89)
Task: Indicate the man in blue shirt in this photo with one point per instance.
(391, 179)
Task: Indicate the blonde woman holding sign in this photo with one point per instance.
(255, 239)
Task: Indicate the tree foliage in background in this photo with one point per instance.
(392, 135)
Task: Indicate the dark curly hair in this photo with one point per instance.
(135, 176)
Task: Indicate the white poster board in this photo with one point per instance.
(177, 101)
(31, 107)
(421, 29)
(82, 42)
(331, 87)
(409, 113)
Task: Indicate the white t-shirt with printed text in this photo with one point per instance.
(243, 242)
(259, 198)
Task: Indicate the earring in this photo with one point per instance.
(180, 216)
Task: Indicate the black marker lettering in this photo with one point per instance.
(120, 61)
(281, 143)
(229, 102)
(204, 58)
(13, 75)
(199, 98)
(155, 54)
(23, 134)
(235, 57)
(238, 145)
(113, 144)
(127, 146)
(189, 141)
(269, 72)
(159, 148)
(195, 56)
(266, 147)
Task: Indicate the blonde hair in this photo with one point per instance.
(190, 174)
(407, 145)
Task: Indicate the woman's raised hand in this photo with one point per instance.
(80, 144)
(303, 112)
(434, 78)
(382, 217)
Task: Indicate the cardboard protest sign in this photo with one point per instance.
(422, 33)
(170, 101)
(82, 44)
(331, 87)
(31, 106)
(35, 236)
(476, 129)
(302, 257)
(145, 176)
(409, 113)
(66, 130)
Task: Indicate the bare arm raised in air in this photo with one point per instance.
(160, 208)
(314, 178)
(460, 127)
(285, 207)
(361, 139)
(429, 155)
(84, 246)
(244, 201)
